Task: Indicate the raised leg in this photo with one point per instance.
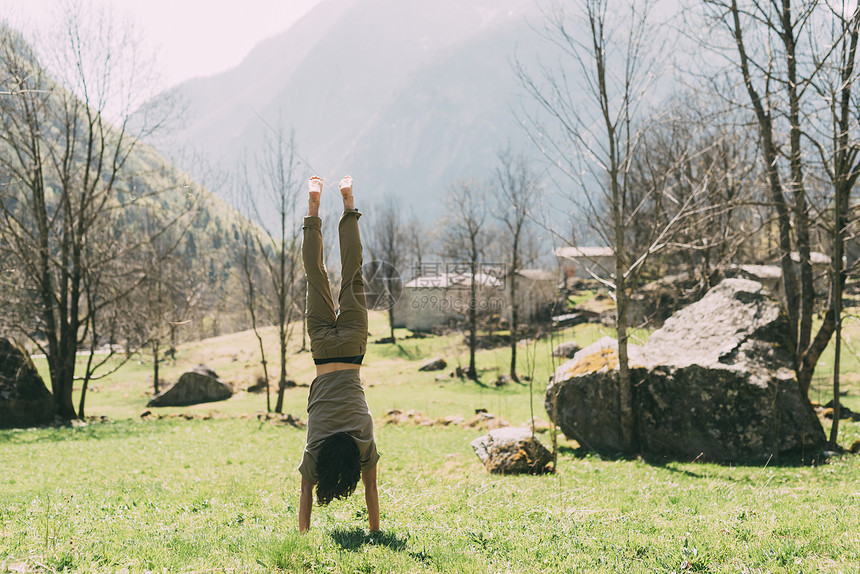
(352, 320)
(320, 312)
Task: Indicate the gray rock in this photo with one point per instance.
(25, 401)
(436, 364)
(715, 381)
(512, 450)
(200, 385)
(567, 349)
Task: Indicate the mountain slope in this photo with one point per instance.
(404, 96)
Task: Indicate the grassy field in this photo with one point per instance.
(221, 495)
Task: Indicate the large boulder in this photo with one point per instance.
(200, 385)
(512, 450)
(715, 382)
(24, 399)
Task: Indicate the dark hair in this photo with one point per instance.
(338, 468)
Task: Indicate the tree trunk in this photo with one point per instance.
(514, 312)
(473, 324)
(305, 324)
(264, 365)
(172, 350)
(796, 187)
(837, 309)
(155, 361)
(282, 384)
(625, 387)
(65, 407)
(391, 322)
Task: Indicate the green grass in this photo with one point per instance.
(221, 495)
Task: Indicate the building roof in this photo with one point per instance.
(569, 252)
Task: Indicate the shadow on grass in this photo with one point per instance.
(396, 350)
(799, 458)
(92, 430)
(352, 539)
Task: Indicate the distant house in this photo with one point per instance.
(435, 300)
(585, 262)
(536, 290)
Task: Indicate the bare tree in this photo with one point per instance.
(418, 243)
(67, 164)
(387, 243)
(695, 153)
(169, 292)
(277, 253)
(518, 191)
(789, 68)
(252, 282)
(465, 230)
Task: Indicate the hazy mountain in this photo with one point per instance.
(405, 96)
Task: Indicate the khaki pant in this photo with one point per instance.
(334, 334)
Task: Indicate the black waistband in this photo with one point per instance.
(351, 360)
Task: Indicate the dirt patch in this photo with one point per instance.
(274, 418)
(481, 420)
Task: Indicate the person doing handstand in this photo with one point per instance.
(340, 446)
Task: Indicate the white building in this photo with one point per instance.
(535, 290)
(434, 301)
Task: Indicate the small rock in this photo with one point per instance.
(844, 412)
(436, 364)
(502, 380)
(486, 420)
(258, 387)
(451, 420)
(146, 414)
(567, 349)
(512, 450)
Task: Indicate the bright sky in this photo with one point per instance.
(189, 37)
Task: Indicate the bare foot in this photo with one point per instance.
(315, 186)
(346, 193)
